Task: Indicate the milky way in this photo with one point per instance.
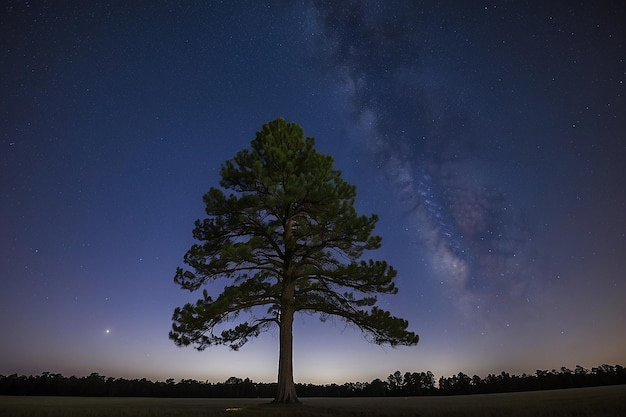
(475, 240)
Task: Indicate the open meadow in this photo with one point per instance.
(597, 401)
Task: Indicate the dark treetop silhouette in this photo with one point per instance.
(289, 239)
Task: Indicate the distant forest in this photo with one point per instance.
(396, 384)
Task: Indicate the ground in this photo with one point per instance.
(582, 402)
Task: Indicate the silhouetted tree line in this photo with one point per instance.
(541, 380)
(396, 384)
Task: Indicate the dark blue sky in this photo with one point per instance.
(489, 138)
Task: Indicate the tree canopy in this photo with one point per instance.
(288, 239)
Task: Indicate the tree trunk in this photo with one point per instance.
(286, 393)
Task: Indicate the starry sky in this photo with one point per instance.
(488, 136)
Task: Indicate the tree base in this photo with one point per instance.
(286, 401)
(278, 404)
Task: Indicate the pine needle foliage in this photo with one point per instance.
(288, 239)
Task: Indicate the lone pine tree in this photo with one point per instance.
(288, 239)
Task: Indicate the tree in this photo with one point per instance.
(288, 239)
(396, 382)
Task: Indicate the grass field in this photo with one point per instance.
(581, 402)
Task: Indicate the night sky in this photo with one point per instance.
(488, 136)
